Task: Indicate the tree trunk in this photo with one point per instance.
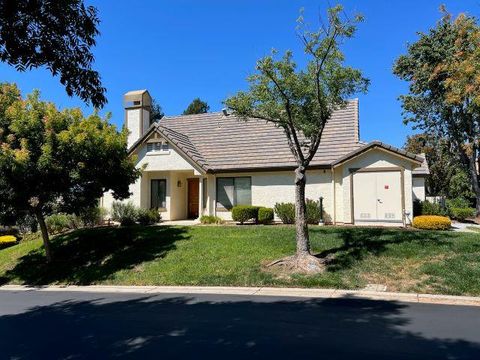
(45, 237)
(472, 165)
(303, 241)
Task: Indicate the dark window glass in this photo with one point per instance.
(234, 191)
(159, 194)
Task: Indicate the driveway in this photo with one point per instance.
(78, 325)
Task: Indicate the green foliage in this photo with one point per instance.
(156, 112)
(244, 213)
(444, 83)
(286, 212)
(431, 222)
(265, 215)
(457, 203)
(148, 216)
(314, 214)
(197, 106)
(58, 36)
(125, 213)
(210, 219)
(429, 208)
(27, 223)
(58, 223)
(460, 185)
(93, 216)
(461, 214)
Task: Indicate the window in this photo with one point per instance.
(233, 191)
(157, 146)
(158, 194)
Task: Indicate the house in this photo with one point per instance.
(207, 163)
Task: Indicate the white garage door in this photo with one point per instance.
(377, 198)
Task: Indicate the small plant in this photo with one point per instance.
(429, 208)
(244, 213)
(265, 215)
(124, 213)
(286, 212)
(148, 216)
(7, 240)
(58, 223)
(210, 219)
(461, 214)
(93, 216)
(431, 222)
(314, 214)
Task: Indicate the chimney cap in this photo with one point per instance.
(137, 98)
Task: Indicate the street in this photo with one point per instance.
(76, 325)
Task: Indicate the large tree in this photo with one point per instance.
(58, 35)
(156, 112)
(444, 88)
(197, 106)
(301, 102)
(57, 159)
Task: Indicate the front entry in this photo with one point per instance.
(377, 198)
(193, 198)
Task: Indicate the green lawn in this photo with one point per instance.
(404, 260)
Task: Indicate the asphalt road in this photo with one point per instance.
(54, 325)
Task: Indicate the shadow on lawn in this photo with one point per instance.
(176, 326)
(87, 256)
(361, 242)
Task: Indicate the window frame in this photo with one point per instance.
(220, 207)
(151, 194)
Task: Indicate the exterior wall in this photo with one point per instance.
(269, 188)
(155, 161)
(374, 158)
(133, 125)
(419, 188)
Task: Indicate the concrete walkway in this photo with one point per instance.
(259, 291)
(463, 227)
(180, 222)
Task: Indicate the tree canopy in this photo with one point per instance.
(197, 106)
(302, 100)
(58, 35)
(156, 112)
(51, 158)
(442, 70)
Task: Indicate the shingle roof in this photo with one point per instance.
(220, 143)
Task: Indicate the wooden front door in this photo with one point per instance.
(193, 198)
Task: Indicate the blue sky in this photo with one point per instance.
(182, 49)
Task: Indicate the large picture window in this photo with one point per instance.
(158, 194)
(232, 191)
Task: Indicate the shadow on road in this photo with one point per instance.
(184, 327)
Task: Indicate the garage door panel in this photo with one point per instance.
(377, 197)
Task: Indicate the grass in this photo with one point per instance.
(473, 228)
(404, 260)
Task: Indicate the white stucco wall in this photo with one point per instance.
(165, 161)
(374, 158)
(419, 188)
(133, 125)
(269, 188)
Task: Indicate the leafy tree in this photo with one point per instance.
(156, 112)
(301, 101)
(51, 158)
(197, 106)
(57, 35)
(444, 88)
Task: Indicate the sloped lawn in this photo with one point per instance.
(404, 260)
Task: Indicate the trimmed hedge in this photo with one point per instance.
(461, 214)
(432, 222)
(265, 215)
(210, 219)
(148, 216)
(244, 213)
(314, 215)
(286, 212)
(7, 240)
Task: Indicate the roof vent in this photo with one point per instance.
(225, 111)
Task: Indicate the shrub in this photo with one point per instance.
(432, 222)
(27, 223)
(210, 219)
(458, 203)
(265, 215)
(461, 214)
(7, 240)
(124, 213)
(314, 215)
(93, 216)
(243, 213)
(429, 208)
(417, 207)
(58, 223)
(148, 216)
(286, 212)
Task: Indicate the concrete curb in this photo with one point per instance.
(258, 291)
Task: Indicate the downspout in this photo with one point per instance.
(334, 215)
